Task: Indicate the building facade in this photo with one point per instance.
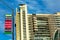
(36, 26)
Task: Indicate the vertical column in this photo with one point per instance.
(18, 29)
(34, 20)
(52, 26)
(27, 28)
(24, 22)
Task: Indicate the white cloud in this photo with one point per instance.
(50, 5)
(19, 1)
(4, 11)
(1, 10)
(10, 39)
(31, 4)
(1, 26)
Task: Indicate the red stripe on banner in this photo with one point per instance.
(8, 24)
(8, 27)
(8, 20)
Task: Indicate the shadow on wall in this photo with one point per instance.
(56, 36)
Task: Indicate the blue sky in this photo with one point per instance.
(34, 6)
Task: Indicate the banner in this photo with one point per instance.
(8, 24)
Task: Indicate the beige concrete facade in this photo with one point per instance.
(35, 26)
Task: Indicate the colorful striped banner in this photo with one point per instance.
(8, 24)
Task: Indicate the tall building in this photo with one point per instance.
(36, 26)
